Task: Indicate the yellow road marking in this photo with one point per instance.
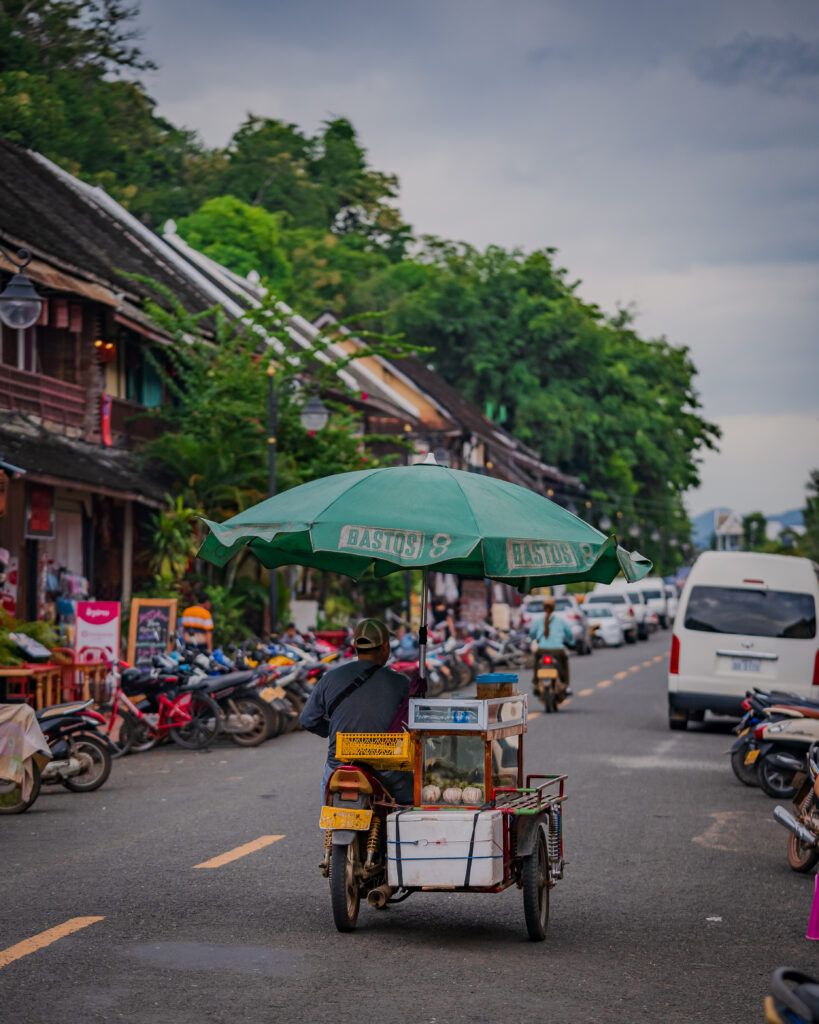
(620, 675)
(586, 693)
(604, 683)
(566, 702)
(239, 851)
(43, 939)
(533, 714)
(634, 668)
(658, 657)
(648, 664)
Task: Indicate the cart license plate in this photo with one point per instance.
(343, 817)
(745, 664)
(273, 693)
(547, 673)
(751, 757)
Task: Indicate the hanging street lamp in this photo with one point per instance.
(314, 415)
(20, 304)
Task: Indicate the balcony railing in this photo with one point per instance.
(53, 400)
(129, 419)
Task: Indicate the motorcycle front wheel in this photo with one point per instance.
(94, 755)
(203, 727)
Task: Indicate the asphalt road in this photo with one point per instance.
(676, 905)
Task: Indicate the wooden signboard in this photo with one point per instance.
(153, 621)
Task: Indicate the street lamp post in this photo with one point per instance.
(314, 416)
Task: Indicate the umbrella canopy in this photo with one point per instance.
(424, 516)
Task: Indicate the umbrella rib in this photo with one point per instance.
(452, 476)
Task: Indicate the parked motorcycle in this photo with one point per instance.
(246, 717)
(782, 748)
(80, 754)
(763, 708)
(803, 824)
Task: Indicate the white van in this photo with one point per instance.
(640, 611)
(653, 589)
(744, 620)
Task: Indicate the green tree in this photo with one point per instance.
(809, 544)
(754, 531)
(69, 88)
(241, 237)
(584, 389)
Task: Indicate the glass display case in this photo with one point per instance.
(466, 749)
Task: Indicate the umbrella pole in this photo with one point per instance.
(422, 628)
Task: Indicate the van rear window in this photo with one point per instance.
(652, 595)
(606, 599)
(772, 613)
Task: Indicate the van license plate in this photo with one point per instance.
(745, 664)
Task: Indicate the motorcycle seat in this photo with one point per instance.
(72, 707)
(803, 710)
(231, 679)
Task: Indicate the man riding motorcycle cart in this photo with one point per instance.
(360, 696)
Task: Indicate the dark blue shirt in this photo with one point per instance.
(370, 708)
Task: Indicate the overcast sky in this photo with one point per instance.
(669, 150)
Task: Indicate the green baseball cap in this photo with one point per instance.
(370, 634)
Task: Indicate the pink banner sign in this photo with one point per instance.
(97, 632)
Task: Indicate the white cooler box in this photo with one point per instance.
(434, 848)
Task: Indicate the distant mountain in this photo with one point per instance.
(702, 526)
(793, 517)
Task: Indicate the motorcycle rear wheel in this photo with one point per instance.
(263, 721)
(746, 773)
(143, 737)
(801, 857)
(776, 782)
(126, 734)
(345, 894)
(95, 749)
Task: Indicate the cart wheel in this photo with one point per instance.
(345, 894)
(536, 890)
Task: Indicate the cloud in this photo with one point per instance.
(764, 464)
(671, 169)
(779, 64)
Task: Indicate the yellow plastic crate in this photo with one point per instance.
(393, 751)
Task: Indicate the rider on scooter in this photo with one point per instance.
(551, 634)
(360, 696)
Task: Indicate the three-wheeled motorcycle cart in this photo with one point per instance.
(477, 823)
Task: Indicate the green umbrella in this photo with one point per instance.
(424, 516)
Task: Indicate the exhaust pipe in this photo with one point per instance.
(379, 897)
(792, 825)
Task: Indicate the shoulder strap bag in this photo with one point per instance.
(359, 680)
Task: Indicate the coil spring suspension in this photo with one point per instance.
(373, 837)
(554, 835)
